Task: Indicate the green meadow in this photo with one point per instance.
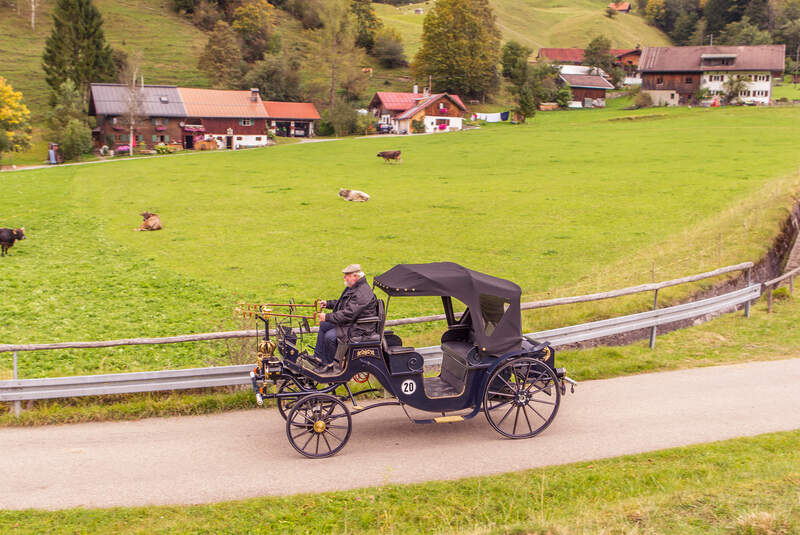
(571, 203)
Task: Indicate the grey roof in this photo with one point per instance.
(158, 100)
(689, 58)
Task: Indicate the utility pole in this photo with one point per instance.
(796, 65)
(33, 15)
(711, 40)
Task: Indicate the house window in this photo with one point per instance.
(386, 119)
(160, 121)
(659, 80)
(119, 137)
(672, 96)
(238, 138)
(258, 138)
(245, 122)
(688, 79)
(442, 121)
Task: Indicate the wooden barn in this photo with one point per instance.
(234, 119)
(585, 86)
(161, 112)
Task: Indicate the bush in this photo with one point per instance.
(611, 12)
(343, 119)
(643, 100)
(162, 149)
(76, 140)
(418, 127)
(388, 49)
(205, 15)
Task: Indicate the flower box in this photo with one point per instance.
(160, 127)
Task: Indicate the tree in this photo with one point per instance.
(15, 125)
(514, 58)
(367, 23)
(789, 34)
(460, 48)
(526, 102)
(134, 99)
(685, 25)
(698, 36)
(611, 12)
(253, 21)
(641, 6)
(656, 12)
(744, 33)
(276, 77)
(66, 104)
(334, 52)
(734, 85)
(388, 49)
(221, 58)
(77, 48)
(720, 13)
(598, 54)
(75, 140)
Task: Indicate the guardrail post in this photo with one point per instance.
(769, 299)
(653, 329)
(17, 404)
(791, 285)
(747, 303)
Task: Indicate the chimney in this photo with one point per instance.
(254, 92)
(426, 92)
(416, 89)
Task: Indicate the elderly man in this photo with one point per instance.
(356, 301)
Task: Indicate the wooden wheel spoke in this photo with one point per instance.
(500, 405)
(326, 441)
(511, 408)
(543, 401)
(525, 413)
(539, 414)
(308, 441)
(331, 433)
(516, 417)
(512, 387)
(505, 394)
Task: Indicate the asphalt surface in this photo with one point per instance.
(243, 454)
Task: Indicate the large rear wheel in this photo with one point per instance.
(521, 398)
(318, 425)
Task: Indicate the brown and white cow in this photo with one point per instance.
(150, 222)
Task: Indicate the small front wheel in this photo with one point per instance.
(318, 425)
(288, 386)
(521, 398)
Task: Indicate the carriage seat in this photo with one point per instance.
(397, 350)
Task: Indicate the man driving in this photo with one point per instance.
(339, 326)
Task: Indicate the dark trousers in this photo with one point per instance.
(325, 349)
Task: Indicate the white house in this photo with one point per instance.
(440, 112)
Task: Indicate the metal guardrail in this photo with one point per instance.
(123, 383)
(770, 285)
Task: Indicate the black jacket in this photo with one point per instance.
(357, 301)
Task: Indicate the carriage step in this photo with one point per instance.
(448, 419)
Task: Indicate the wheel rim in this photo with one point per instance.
(286, 404)
(521, 398)
(318, 425)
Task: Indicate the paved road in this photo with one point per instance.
(243, 454)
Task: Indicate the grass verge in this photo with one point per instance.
(728, 339)
(741, 486)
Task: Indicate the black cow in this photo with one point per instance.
(8, 237)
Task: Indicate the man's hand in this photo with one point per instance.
(321, 316)
(322, 303)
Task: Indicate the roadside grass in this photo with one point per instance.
(786, 90)
(169, 43)
(538, 23)
(570, 203)
(741, 486)
(728, 339)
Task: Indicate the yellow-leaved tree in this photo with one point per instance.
(15, 125)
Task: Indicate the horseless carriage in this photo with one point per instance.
(487, 364)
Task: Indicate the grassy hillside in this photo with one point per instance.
(538, 23)
(170, 44)
(570, 203)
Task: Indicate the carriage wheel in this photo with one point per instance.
(286, 404)
(318, 425)
(521, 398)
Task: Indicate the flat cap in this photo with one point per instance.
(352, 268)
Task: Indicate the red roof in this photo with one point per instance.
(620, 6)
(575, 55)
(221, 103)
(404, 101)
(690, 58)
(291, 110)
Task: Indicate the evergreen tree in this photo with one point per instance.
(460, 48)
(76, 48)
(221, 59)
(720, 13)
(388, 49)
(67, 104)
(685, 25)
(367, 23)
(744, 33)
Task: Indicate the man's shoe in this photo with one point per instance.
(324, 368)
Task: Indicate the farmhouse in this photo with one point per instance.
(585, 83)
(625, 58)
(675, 75)
(161, 111)
(235, 119)
(398, 112)
(621, 7)
(291, 119)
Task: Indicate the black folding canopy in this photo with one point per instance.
(493, 302)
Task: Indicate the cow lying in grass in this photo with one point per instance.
(8, 237)
(151, 222)
(353, 195)
(390, 155)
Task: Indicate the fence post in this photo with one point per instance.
(791, 285)
(747, 304)
(654, 328)
(769, 299)
(17, 404)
